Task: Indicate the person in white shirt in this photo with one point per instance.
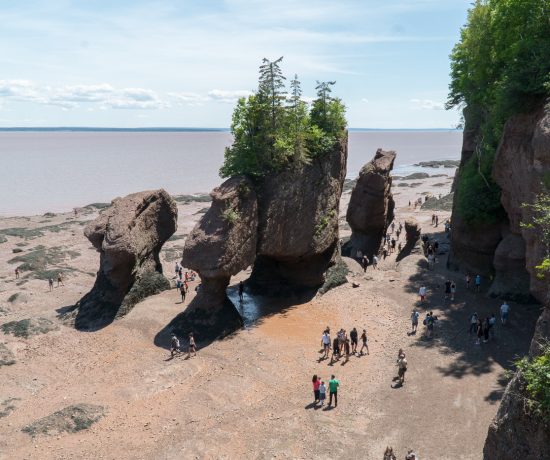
(504, 311)
(422, 293)
(374, 261)
(325, 342)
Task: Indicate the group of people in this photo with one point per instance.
(175, 347)
(320, 390)
(59, 281)
(182, 280)
(342, 345)
(389, 245)
(484, 329)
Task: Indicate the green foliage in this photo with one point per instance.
(335, 276)
(150, 283)
(536, 373)
(477, 194)
(500, 67)
(540, 221)
(273, 130)
(231, 216)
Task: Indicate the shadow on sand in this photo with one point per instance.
(252, 311)
(451, 336)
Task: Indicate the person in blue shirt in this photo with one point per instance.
(478, 283)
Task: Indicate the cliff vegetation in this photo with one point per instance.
(500, 67)
(274, 129)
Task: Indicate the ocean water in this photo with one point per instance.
(56, 171)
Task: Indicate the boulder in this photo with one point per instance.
(298, 223)
(129, 236)
(222, 244)
(371, 205)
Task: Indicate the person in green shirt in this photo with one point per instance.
(333, 385)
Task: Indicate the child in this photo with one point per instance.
(322, 393)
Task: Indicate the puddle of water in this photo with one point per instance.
(254, 307)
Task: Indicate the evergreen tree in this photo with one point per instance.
(319, 111)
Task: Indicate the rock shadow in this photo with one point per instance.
(451, 333)
(235, 315)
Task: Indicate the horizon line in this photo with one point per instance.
(180, 129)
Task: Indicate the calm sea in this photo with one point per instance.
(56, 171)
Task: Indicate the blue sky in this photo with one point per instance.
(183, 63)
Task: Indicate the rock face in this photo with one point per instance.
(129, 236)
(511, 278)
(472, 247)
(298, 223)
(371, 205)
(221, 245)
(521, 163)
(286, 226)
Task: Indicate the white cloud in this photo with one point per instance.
(426, 104)
(365, 100)
(188, 98)
(228, 96)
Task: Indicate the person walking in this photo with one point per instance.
(430, 324)
(414, 321)
(17, 273)
(177, 269)
(353, 336)
(182, 292)
(365, 342)
(473, 323)
(346, 349)
(322, 393)
(365, 263)
(478, 283)
(479, 331)
(192, 346)
(374, 261)
(401, 367)
(59, 279)
(335, 350)
(241, 291)
(468, 281)
(316, 384)
(325, 343)
(174, 345)
(453, 291)
(333, 386)
(447, 289)
(486, 328)
(422, 293)
(504, 312)
(50, 284)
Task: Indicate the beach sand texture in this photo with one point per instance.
(249, 395)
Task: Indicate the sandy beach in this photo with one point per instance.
(249, 395)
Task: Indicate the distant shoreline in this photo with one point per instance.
(182, 130)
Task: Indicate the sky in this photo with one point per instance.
(135, 63)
